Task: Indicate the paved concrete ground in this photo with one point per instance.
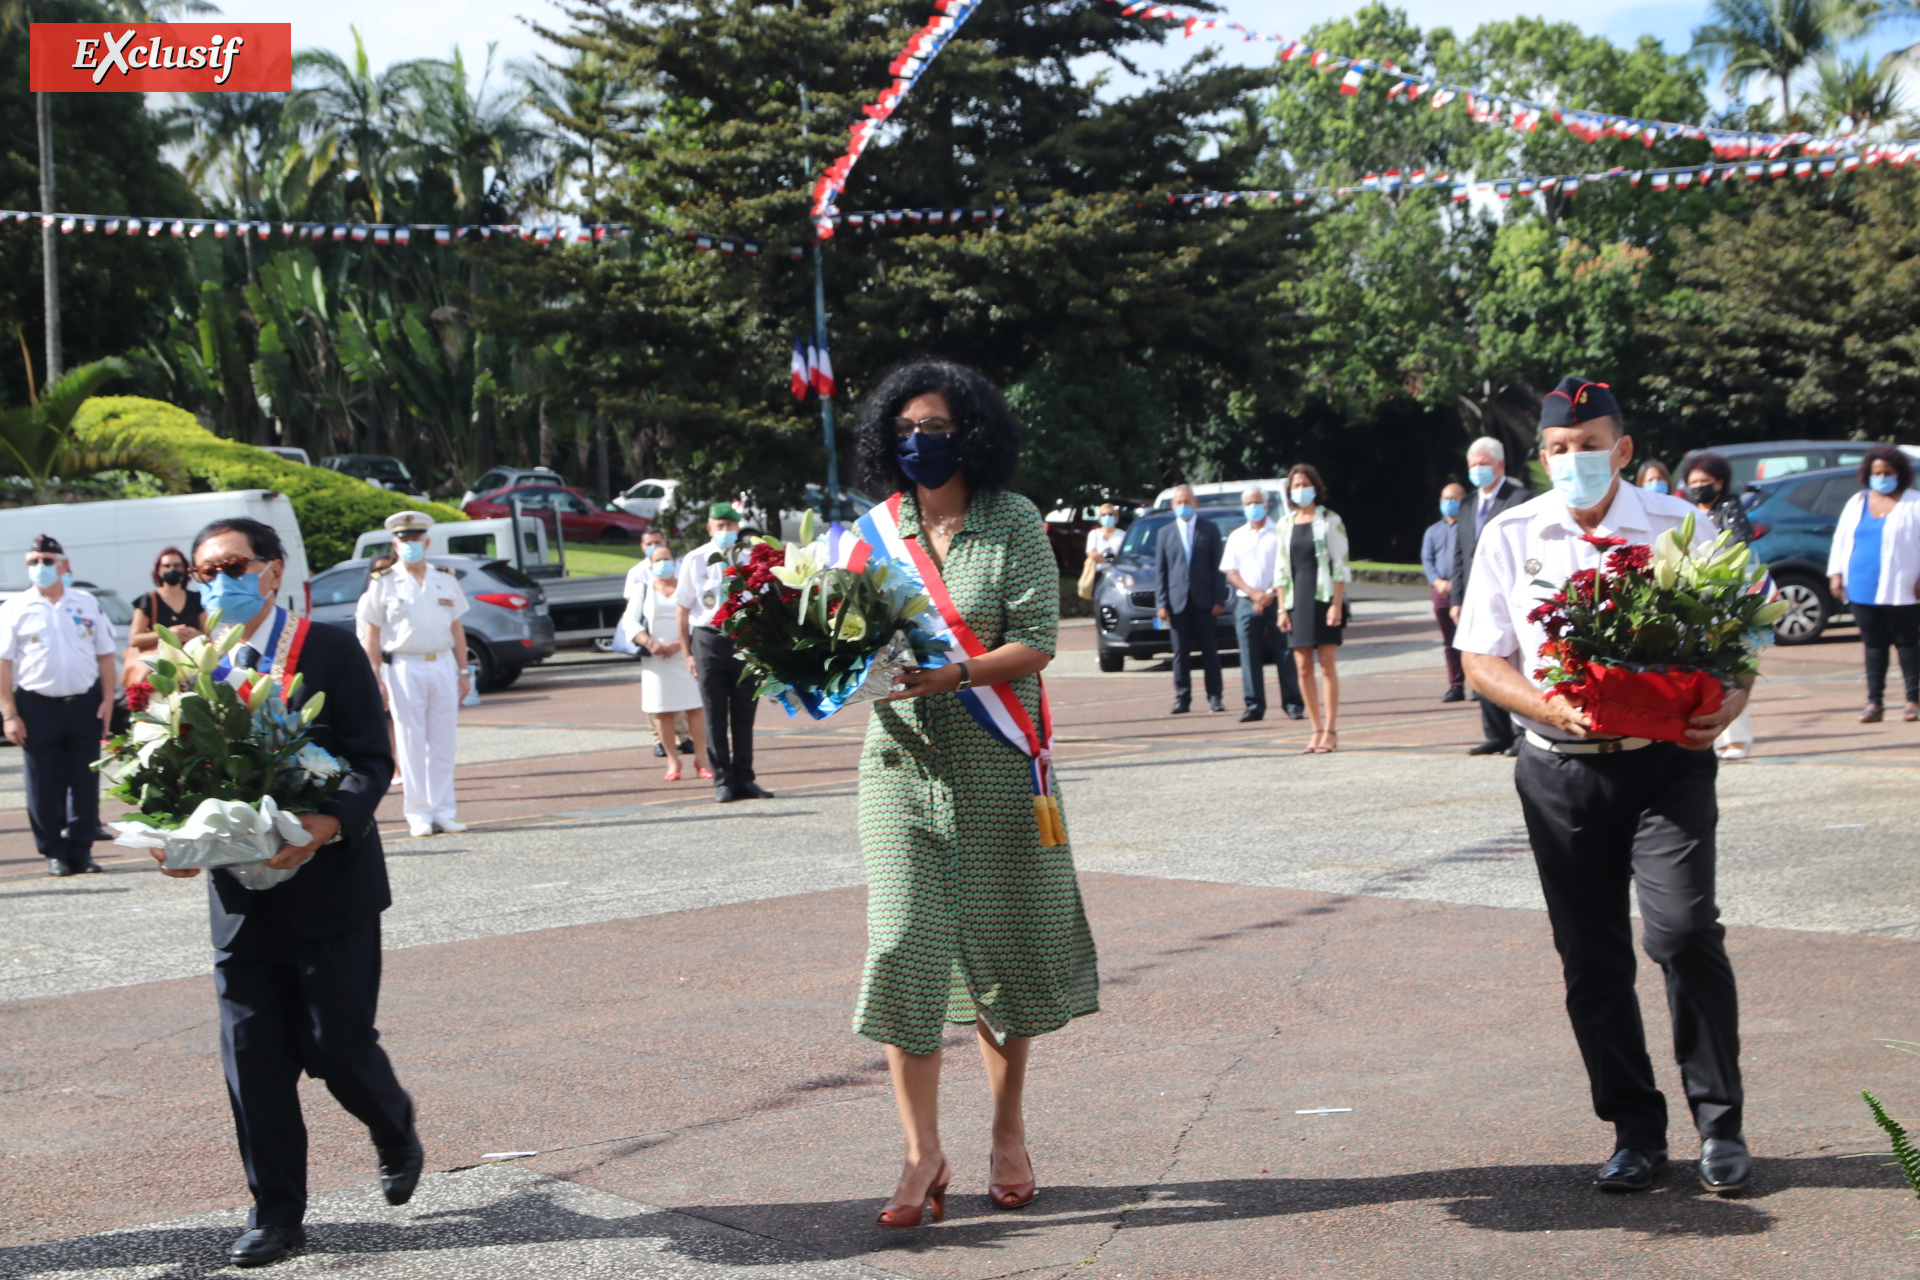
(652, 993)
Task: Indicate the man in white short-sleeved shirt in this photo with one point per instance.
(1604, 814)
(1248, 562)
(57, 678)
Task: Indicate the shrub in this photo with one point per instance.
(333, 509)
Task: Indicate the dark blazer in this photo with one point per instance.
(1509, 494)
(344, 885)
(1180, 585)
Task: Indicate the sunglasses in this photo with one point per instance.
(412, 535)
(33, 560)
(904, 427)
(232, 566)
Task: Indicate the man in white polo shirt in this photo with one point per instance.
(1606, 814)
(1248, 563)
(57, 676)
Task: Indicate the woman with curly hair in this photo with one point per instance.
(970, 917)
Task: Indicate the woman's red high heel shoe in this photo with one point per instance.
(905, 1217)
(1017, 1195)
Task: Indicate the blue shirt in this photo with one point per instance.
(1863, 567)
(1436, 550)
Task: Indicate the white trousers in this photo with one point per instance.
(426, 708)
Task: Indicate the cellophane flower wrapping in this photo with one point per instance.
(1658, 633)
(819, 638)
(218, 771)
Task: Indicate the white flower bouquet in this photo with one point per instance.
(218, 769)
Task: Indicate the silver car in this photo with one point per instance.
(508, 628)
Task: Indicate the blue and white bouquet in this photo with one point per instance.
(219, 769)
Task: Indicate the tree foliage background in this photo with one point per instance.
(1142, 340)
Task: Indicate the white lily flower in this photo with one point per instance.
(803, 565)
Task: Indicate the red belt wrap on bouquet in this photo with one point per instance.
(1646, 704)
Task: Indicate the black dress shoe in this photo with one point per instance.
(724, 794)
(1252, 713)
(103, 836)
(90, 868)
(1630, 1170)
(1454, 693)
(660, 750)
(1217, 703)
(1295, 711)
(1513, 750)
(1725, 1165)
(59, 867)
(263, 1245)
(1488, 749)
(400, 1169)
(686, 746)
(1181, 708)
(752, 791)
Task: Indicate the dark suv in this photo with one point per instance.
(1793, 522)
(1123, 606)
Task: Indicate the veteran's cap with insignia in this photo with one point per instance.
(1575, 401)
(46, 544)
(724, 511)
(409, 522)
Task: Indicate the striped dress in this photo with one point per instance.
(968, 916)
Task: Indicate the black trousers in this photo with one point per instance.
(730, 704)
(1496, 722)
(63, 791)
(290, 1004)
(1194, 626)
(1262, 640)
(1645, 818)
(1884, 627)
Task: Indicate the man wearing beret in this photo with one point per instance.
(1604, 814)
(728, 699)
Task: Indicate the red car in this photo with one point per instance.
(581, 518)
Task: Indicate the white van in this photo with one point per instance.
(1222, 493)
(490, 538)
(115, 544)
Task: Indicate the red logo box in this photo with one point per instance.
(162, 57)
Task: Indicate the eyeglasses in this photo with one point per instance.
(411, 535)
(232, 566)
(33, 560)
(904, 427)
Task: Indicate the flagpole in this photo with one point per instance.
(831, 507)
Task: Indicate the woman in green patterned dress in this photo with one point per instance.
(970, 919)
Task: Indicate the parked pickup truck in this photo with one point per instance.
(586, 609)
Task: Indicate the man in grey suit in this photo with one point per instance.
(1491, 494)
(1189, 592)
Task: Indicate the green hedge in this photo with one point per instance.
(333, 509)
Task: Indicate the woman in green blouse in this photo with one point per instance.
(1311, 574)
(970, 918)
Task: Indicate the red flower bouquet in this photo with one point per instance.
(1657, 634)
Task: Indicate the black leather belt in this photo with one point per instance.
(93, 693)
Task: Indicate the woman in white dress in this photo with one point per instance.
(666, 686)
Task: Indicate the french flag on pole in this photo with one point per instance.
(820, 369)
(802, 368)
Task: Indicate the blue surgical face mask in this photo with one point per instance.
(1255, 512)
(413, 552)
(1883, 484)
(237, 599)
(1449, 507)
(1480, 477)
(726, 538)
(929, 460)
(1107, 522)
(66, 579)
(1657, 486)
(1582, 478)
(42, 575)
(1304, 496)
(1184, 511)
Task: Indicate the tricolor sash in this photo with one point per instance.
(995, 708)
(279, 657)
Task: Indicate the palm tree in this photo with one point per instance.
(38, 441)
(463, 133)
(232, 137)
(578, 99)
(364, 116)
(1775, 39)
(1860, 93)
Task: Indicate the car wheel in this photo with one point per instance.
(504, 678)
(1808, 609)
(486, 667)
(1112, 660)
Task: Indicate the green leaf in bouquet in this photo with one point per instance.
(199, 713)
(1655, 635)
(166, 670)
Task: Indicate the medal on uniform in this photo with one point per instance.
(1531, 566)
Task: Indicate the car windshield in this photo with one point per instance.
(1145, 533)
(384, 469)
(501, 571)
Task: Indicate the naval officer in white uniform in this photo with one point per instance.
(410, 618)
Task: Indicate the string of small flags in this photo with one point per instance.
(920, 49)
(379, 233)
(1519, 113)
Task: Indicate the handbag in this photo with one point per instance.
(1088, 572)
(628, 624)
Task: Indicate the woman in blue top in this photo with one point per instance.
(1875, 567)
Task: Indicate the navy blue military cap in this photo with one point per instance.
(1575, 401)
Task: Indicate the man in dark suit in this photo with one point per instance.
(297, 966)
(1491, 494)
(1187, 590)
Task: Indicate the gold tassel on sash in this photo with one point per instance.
(1046, 814)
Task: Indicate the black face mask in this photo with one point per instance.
(1704, 493)
(174, 577)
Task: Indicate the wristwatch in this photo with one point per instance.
(966, 677)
